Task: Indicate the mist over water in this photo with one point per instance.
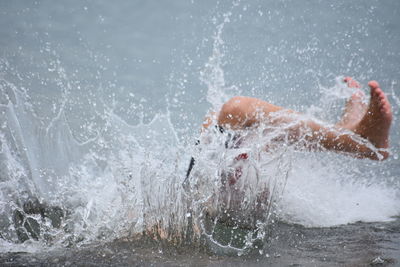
(101, 105)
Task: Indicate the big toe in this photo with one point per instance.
(373, 84)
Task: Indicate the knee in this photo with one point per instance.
(233, 105)
(233, 110)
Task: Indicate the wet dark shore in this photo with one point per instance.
(360, 244)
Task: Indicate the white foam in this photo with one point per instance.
(322, 193)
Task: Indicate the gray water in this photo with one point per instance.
(101, 104)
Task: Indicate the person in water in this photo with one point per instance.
(362, 132)
(371, 122)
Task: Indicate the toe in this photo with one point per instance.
(378, 92)
(373, 84)
(386, 106)
(351, 82)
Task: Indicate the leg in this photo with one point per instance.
(242, 112)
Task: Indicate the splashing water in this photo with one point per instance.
(69, 181)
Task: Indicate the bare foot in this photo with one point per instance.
(355, 108)
(375, 124)
(351, 82)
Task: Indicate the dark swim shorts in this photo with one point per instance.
(233, 141)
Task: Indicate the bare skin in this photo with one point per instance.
(375, 125)
(371, 122)
(355, 108)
